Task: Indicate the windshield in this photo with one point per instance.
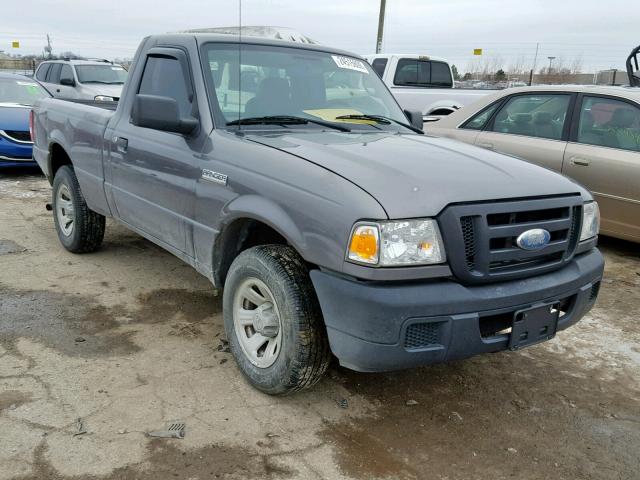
(282, 81)
(24, 92)
(107, 73)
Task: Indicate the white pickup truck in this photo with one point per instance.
(424, 83)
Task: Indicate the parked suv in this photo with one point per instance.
(82, 79)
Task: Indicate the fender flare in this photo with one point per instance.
(55, 138)
(260, 209)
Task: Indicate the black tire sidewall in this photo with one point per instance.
(88, 226)
(66, 176)
(279, 378)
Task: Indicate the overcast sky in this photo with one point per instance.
(601, 33)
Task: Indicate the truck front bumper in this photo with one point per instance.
(378, 327)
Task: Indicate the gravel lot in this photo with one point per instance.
(130, 338)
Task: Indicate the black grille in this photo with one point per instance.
(469, 241)
(422, 334)
(483, 238)
(18, 135)
(595, 288)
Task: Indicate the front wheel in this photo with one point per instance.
(79, 228)
(273, 321)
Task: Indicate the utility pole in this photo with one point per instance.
(48, 48)
(551, 59)
(383, 4)
(535, 61)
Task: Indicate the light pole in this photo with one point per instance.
(551, 59)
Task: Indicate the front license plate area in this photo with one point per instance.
(534, 325)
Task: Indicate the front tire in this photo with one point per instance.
(80, 229)
(273, 320)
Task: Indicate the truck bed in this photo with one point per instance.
(79, 127)
(104, 105)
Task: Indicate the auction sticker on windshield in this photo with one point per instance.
(350, 63)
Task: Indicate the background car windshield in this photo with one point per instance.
(24, 92)
(101, 74)
(291, 81)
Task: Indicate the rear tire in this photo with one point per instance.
(79, 228)
(268, 291)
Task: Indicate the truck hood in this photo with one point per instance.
(102, 89)
(417, 176)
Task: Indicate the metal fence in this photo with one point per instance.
(23, 66)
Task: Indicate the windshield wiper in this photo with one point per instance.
(379, 119)
(285, 120)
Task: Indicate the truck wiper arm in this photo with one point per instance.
(285, 120)
(379, 119)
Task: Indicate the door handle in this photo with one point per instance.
(486, 145)
(121, 144)
(58, 90)
(580, 161)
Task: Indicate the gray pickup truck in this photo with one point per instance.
(332, 223)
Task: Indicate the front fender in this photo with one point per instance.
(268, 212)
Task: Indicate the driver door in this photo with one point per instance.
(154, 172)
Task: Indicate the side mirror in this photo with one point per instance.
(69, 82)
(160, 113)
(415, 118)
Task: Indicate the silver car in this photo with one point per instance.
(82, 79)
(588, 133)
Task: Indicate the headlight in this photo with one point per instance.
(103, 98)
(590, 221)
(397, 243)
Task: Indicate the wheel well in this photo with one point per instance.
(237, 237)
(442, 111)
(57, 158)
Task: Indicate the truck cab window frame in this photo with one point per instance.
(415, 72)
(170, 82)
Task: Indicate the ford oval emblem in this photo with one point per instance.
(534, 239)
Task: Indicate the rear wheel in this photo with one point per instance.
(273, 321)
(79, 228)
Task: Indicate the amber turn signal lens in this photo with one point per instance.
(364, 244)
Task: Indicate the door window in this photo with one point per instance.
(66, 72)
(609, 123)
(378, 65)
(42, 71)
(422, 73)
(480, 120)
(164, 77)
(54, 73)
(541, 116)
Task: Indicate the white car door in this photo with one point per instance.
(532, 126)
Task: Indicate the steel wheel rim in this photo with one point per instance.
(257, 323)
(64, 210)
